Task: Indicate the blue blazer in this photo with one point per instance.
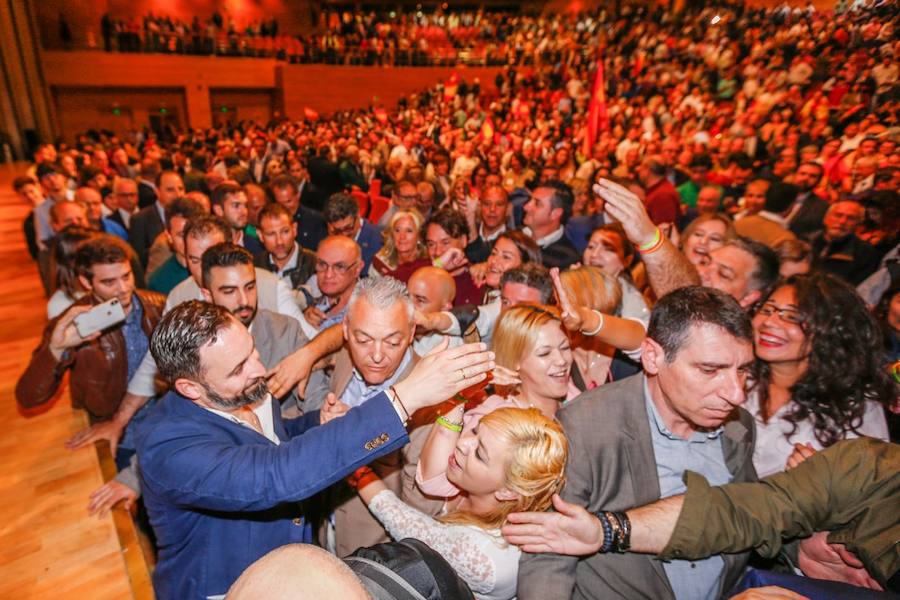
(370, 242)
(220, 495)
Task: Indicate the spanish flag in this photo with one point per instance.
(597, 119)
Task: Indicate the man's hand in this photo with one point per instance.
(453, 259)
(442, 373)
(571, 530)
(478, 272)
(770, 592)
(801, 453)
(111, 431)
(288, 373)
(108, 495)
(314, 316)
(833, 562)
(624, 206)
(332, 409)
(65, 335)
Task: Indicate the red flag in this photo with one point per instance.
(381, 114)
(597, 120)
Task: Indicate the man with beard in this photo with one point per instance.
(223, 474)
(808, 210)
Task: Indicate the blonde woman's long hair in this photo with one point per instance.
(591, 287)
(536, 465)
(388, 252)
(516, 331)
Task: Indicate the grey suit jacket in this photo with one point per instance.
(277, 336)
(612, 467)
(354, 525)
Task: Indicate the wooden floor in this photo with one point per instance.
(49, 547)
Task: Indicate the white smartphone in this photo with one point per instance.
(100, 317)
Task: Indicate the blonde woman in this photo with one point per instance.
(705, 233)
(589, 299)
(403, 245)
(512, 461)
(534, 358)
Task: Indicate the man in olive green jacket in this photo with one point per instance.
(852, 490)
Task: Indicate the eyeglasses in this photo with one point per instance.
(788, 315)
(339, 268)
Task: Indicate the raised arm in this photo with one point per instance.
(667, 268)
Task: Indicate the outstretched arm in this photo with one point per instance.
(667, 268)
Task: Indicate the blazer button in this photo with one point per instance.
(368, 446)
(384, 437)
(297, 521)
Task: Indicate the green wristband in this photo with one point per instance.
(443, 422)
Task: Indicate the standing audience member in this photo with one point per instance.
(546, 213)
(293, 264)
(838, 250)
(149, 222)
(341, 215)
(174, 270)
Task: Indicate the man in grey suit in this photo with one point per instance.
(631, 442)
(378, 334)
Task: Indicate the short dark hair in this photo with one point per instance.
(21, 181)
(104, 249)
(221, 192)
(273, 210)
(676, 312)
(562, 197)
(340, 206)
(450, 220)
(206, 224)
(527, 247)
(163, 174)
(225, 254)
(766, 273)
(533, 275)
(183, 207)
(181, 333)
(285, 180)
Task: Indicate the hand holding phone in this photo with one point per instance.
(100, 317)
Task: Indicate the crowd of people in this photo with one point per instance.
(435, 323)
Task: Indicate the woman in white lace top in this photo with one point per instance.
(512, 461)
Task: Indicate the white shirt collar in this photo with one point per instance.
(493, 236)
(547, 239)
(291, 263)
(776, 218)
(263, 412)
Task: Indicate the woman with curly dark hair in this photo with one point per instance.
(822, 377)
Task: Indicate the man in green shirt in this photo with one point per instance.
(851, 490)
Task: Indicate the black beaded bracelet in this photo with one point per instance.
(608, 538)
(624, 541)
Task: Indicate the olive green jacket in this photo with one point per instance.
(852, 489)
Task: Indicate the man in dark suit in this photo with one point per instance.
(633, 440)
(146, 182)
(325, 178)
(310, 226)
(546, 214)
(149, 222)
(259, 161)
(222, 473)
(229, 201)
(806, 215)
(494, 208)
(341, 216)
(123, 201)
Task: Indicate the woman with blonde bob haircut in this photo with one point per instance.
(591, 300)
(402, 244)
(513, 460)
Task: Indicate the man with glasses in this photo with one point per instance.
(122, 202)
(338, 265)
(404, 196)
(341, 216)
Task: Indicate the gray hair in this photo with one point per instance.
(382, 293)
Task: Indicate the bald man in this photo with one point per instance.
(338, 265)
(838, 250)
(92, 202)
(432, 291)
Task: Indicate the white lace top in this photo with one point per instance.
(481, 557)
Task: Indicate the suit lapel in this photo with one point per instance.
(641, 458)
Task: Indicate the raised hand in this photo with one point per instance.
(624, 206)
(572, 317)
(65, 335)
